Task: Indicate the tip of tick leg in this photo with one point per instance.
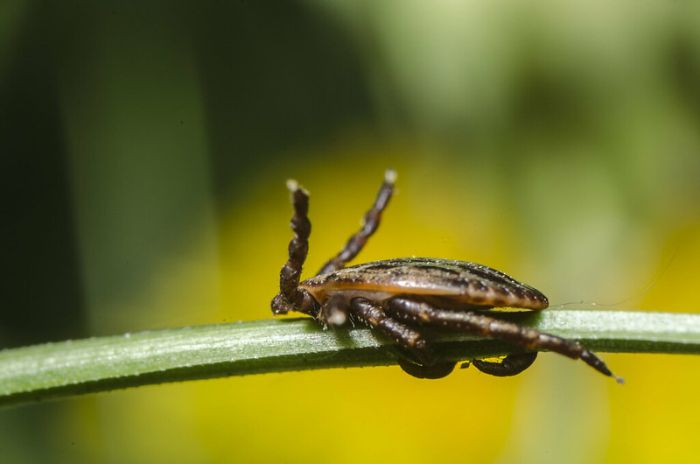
(294, 188)
(292, 185)
(390, 176)
(619, 380)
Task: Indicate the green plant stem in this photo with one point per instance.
(99, 364)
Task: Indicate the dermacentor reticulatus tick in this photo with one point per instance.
(397, 297)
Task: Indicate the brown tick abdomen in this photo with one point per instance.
(457, 282)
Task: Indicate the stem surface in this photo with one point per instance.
(99, 364)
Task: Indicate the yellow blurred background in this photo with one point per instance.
(145, 150)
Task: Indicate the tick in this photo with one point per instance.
(400, 297)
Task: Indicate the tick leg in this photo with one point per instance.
(436, 370)
(510, 365)
(291, 297)
(409, 339)
(414, 312)
(370, 223)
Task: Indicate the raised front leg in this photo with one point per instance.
(413, 312)
(291, 297)
(371, 222)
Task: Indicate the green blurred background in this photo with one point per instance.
(144, 150)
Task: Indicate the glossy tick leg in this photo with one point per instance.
(291, 297)
(414, 312)
(370, 223)
(373, 316)
(512, 364)
(410, 340)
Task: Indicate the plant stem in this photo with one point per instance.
(99, 364)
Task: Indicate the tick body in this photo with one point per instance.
(457, 284)
(399, 297)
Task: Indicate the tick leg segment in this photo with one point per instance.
(408, 339)
(510, 365)
(291, 297)
(436, 370)
(373, 316)
(370, 223)
(414, 312)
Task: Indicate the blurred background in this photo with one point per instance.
(144, 152)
